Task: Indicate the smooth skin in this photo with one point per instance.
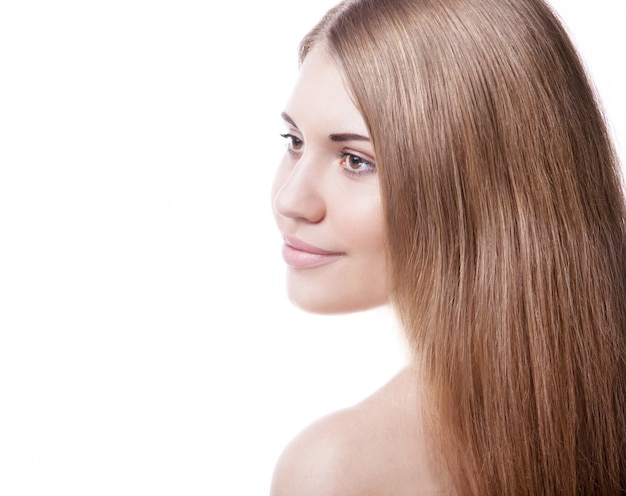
(375, 448)
(326, 194)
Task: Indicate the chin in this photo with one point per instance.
(329, 302)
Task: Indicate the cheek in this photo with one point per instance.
(374, 275)
(367, 227)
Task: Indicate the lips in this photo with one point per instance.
(301, 255)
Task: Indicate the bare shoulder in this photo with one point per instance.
(374, 448)
(322, 459)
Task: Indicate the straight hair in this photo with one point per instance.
(506, 234)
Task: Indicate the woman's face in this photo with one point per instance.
(326, 197)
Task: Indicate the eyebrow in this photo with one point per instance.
(288, 119)
(336, 137)
(348, 137)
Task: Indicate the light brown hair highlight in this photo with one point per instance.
(506, 233)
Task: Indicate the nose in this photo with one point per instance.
(298, 191)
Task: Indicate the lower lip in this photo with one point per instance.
(305, 260)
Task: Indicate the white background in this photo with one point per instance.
(146, 345)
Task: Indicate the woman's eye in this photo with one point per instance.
(353, 164)
(294, 144)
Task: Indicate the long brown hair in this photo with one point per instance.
(506, 232)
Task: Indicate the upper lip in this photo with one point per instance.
(300, 245)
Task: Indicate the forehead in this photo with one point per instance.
(321, 98)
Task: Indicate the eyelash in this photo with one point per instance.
(290, 143)
(343, 156)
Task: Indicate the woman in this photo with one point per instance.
(448, 156)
